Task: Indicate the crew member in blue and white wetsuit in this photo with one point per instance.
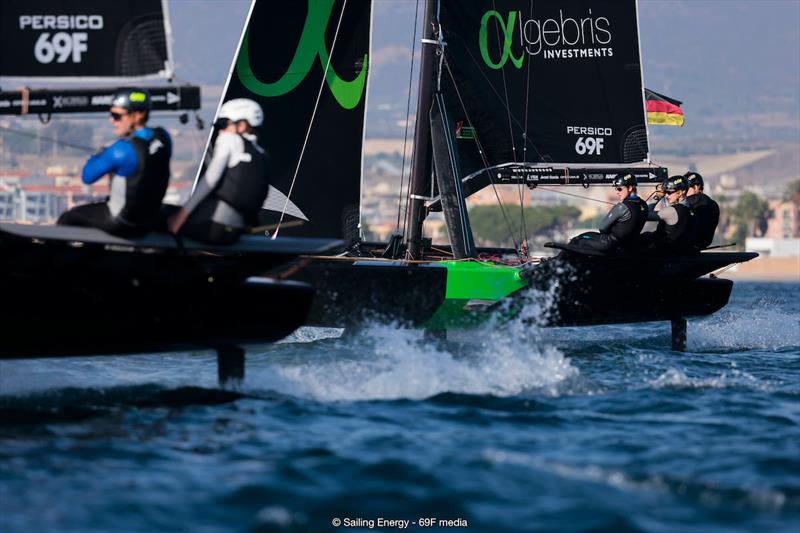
(620, 228)
(138, 165)
(231, 191)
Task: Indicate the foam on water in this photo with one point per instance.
(674, 378)
(311, 334)
(762, 326)
(387, 362)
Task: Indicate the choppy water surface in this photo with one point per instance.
(508, 429)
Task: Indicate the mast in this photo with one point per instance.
(420, 186)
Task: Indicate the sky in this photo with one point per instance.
(717, 56)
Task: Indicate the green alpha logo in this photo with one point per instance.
(311, 45)
(507, 29)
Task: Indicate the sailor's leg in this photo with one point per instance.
(679, 334)
(595, 241)
(230, 363)
(94, 215)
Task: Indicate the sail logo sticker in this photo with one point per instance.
(551, 38)
(507, 29)
(310, 47)
(62, 46)
(590, 140)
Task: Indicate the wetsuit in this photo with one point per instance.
(230, 193)
(619, 228)
(676, 229)
(707, 212)
(139, 168)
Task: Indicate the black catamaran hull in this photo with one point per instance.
(580, 290)
(350, 293)
(79, 291)
(48, 318)
(621, 289)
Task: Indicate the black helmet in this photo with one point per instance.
(624, 180)
(675, 183)
(693, 178)
(132, 99)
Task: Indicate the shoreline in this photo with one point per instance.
(765, 268)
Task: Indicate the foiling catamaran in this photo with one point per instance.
(511, 93)
(79, 291)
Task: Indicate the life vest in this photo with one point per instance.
(145, 189)
(679, 237)
(707, 212)
(245, 185)
(628, 230)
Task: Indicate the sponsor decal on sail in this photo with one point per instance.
(567, 36)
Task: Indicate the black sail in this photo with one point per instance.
(84, 39)
(551, 83)
(313, 109)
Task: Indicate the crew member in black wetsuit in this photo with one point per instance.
(676, 228)
(138, 165)
(620, 228)
(705, 209)
(231, 191)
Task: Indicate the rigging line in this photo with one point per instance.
(523, 237)
(408, 114)
(525, 144)
(505, 92)
(483, 158)
(575, 195)
(49, 139)
(497, 94)
(311, 122)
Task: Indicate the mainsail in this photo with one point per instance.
(549, 83)
(87, 39)
(305, 63)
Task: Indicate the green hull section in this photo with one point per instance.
(471, 288)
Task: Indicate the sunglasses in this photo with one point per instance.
(619, 189)
(116, 117)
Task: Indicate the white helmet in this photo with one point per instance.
(242, 109)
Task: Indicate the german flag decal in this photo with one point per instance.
(663, 109)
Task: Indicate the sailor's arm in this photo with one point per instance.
(207, 182)
(117, 156)
(617, 213)
(669, 215)
(652, 210)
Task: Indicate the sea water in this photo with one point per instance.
(507, 428)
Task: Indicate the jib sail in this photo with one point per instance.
(546, 83)
(305, 63)
(85, 39)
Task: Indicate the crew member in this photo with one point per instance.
(620, 228)
(231, 191)
(705, 209)
(676, 223)
(138, 165)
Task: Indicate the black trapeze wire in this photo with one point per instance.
(483, 158)
(523, 226)
(24, 133)
(405, 135)
(310, 123)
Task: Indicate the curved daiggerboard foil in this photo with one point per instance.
(85, 39)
